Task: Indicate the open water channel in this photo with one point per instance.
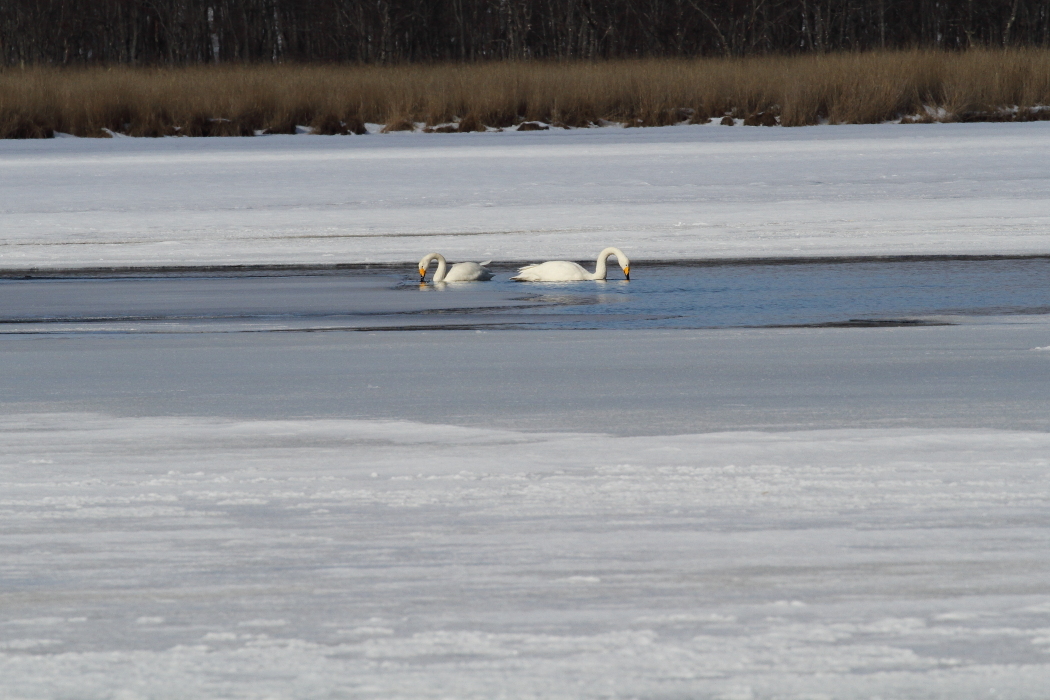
(660, 295)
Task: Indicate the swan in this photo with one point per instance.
(565, 271)
(460, 272)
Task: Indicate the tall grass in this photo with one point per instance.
(242, 100)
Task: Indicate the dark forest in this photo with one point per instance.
(186, 32)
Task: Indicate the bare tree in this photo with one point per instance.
(177, 32)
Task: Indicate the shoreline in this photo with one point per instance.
(249, 269)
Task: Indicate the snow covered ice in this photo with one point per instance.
(667, 193)
(196, 504)
(167, 558)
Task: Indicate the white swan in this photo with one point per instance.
(565, 271)
(460, 272)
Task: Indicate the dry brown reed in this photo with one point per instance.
(792, 91)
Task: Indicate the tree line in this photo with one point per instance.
(182, 32)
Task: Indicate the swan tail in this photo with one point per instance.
(486, 263)
(526, 274)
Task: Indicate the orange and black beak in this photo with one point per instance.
(422, 275)
(627, 273)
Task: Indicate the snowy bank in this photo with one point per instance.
(660, 193)
(175, 557)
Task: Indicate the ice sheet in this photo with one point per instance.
(660, 193)
(625, 382)
(170, 558)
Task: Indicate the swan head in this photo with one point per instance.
(627, 272)
(424, 263)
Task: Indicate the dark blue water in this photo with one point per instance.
(792, 294)
(697, 295)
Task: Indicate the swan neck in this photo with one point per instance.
(425, 263)
(601, 267)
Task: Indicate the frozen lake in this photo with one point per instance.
(670, 513)
(681, 192)
(680, 348)
(678, 295)
(735, 480)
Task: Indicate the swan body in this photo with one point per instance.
(460, 272)
(566, 271)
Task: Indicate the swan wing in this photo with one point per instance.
(468, 272)
(553, 271)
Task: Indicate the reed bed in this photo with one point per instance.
(244, 100)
